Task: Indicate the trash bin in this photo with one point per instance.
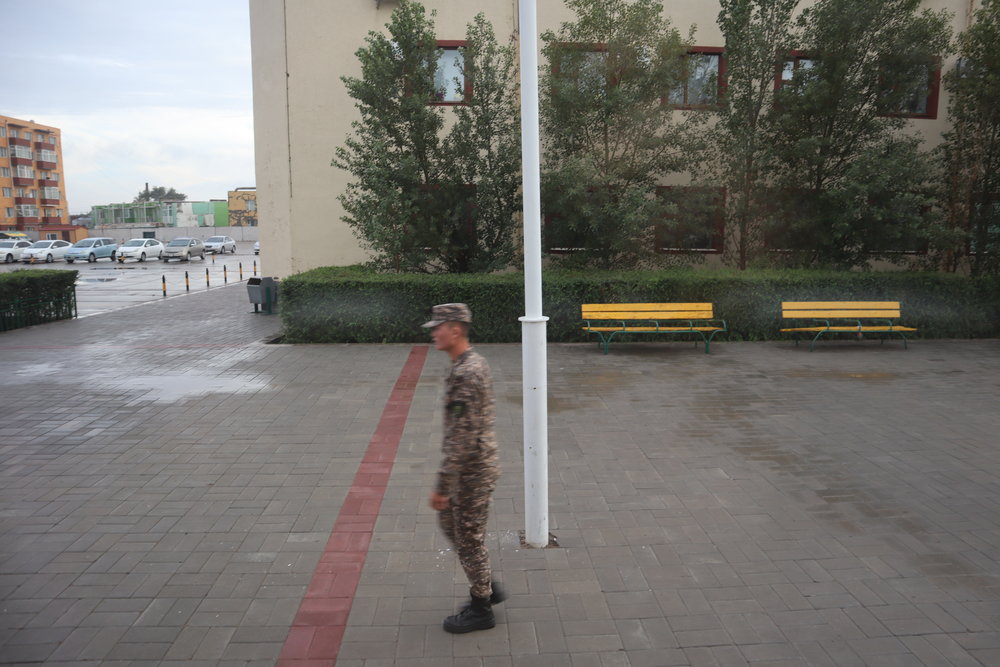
(263, 292)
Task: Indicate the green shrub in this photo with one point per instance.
(352, 305)
(35, 297)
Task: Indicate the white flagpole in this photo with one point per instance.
(533, 328)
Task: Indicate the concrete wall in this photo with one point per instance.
(301, 48)
(242, 235)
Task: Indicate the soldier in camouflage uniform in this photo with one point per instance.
(470, 468)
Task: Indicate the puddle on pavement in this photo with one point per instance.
(101, 279)
(32, 370)
(170, 388)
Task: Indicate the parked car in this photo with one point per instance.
(256, 247)
(183, 248)
(220, 244)
(11, 249)
(92, 249)
(48, 250)
(140, 249)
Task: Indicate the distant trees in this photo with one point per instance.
(424, 198)
(969, 159)
(159, 193)
(797, 134)
(609, 138)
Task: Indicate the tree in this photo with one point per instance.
(159, 193)
(609, 137)
(846, 184)
(758, 36)
(420, 201)
(969, 157)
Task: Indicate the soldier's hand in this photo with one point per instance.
(439, 501)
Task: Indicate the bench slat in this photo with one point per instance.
(863, 329)
(649, 317)
(837, 314)
(632, 329)
(646, 306)
(838, 305)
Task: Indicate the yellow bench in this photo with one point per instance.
(850, 317)
(608, 320)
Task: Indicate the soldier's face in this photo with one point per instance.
(446, 335)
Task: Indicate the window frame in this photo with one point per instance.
(456, 45)
(932, 97)
(720, 84)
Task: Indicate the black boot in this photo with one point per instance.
(477, 616)
(496, 596)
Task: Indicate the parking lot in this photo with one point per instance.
(105, 286)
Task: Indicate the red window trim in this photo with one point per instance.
(449, 44)
(933, 96)
(721, 83)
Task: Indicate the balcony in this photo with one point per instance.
(24, 200)
(48, 183)
(12, 141)
(23, 161)
(18, 180)
(26, 220)
(50, 202)
(51, 220)
(42, 164)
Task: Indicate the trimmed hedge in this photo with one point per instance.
(352, 305)
(36, 297)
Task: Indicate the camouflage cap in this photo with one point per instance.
(449, 312)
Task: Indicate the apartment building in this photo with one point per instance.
(32, 186)
(302, 112)
(243, 207)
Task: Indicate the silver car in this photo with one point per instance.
(184, 248)
(220, 244)
(140, 249)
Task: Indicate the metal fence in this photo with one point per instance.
(28, 312)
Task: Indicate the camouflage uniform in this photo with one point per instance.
(470, 467)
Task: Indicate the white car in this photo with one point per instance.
(220, 244)
(11, 249)
(140, 249)
(45, 251)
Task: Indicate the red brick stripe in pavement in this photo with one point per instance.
(319, 625)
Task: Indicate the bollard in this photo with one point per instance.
(241, 271)
(187, 282)
(164, 285)
(225, 275)
(207, 284)
(213, 258)
(255, 267)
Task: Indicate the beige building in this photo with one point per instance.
(302, 111)
(243, 207)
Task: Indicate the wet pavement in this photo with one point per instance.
(173, 489)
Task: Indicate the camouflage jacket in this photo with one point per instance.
(470, 447)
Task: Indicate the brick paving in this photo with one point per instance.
(170, 483)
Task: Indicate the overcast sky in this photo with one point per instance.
(143, 91)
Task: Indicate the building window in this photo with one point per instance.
(922, 100)
(26, 211)
(3, 151)
(3, 130)
(703, 78)
(451, 86)
(13, 134)
(47, 155)
(59, 212)
(51, 236)
(21, 152)
(4, 172)
(794, 70)
(251, 204)
(51, 193)
(7, 192)
(9, 212)
(583, 67)
(23, 172)
(696, 222)
(52, 139)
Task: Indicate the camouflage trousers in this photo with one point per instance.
(464, 524)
